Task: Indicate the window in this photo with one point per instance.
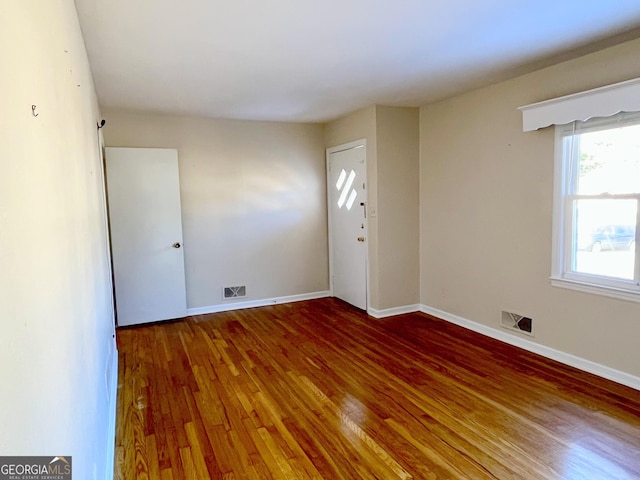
(596, 209)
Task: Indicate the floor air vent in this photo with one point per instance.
(234, 292)
(515, 321)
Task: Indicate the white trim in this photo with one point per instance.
(580, 286)
(390, 312)
(257, 303)
(562, 357)
(598, 102)
(111, 426)
(563, 273)
(361, 143)
(347, 146)
(107, 229)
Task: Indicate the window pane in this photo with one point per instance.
(609, 161)
(605, 232)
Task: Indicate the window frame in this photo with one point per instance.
(565, 185)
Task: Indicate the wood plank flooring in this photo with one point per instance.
(318, 389)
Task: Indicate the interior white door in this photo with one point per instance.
(347, 211)
(146, 234)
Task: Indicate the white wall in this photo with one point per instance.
(486, 213)
(253, 201)
(56, 344)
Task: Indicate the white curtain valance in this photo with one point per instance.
(599, 102)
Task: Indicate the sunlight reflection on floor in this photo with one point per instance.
(582, 461)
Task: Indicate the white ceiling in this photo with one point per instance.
(314, 60)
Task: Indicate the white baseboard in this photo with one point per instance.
(225, 307)
(390, 312)
(562, 357)
(111, 426)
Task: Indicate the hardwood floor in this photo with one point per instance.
(319, 390)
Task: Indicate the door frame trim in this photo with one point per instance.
(361, 143)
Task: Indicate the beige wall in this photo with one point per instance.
(398, 202)
(253, 201)
(56, 316)
(392, 197)
(486, 213)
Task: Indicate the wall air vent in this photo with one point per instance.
(517, 322)
(229, 293)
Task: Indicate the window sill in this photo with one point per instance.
(619, 293)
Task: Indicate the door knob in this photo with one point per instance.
(177, 245)
(361, 239)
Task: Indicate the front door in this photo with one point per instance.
(146, 234)
(347, 223)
